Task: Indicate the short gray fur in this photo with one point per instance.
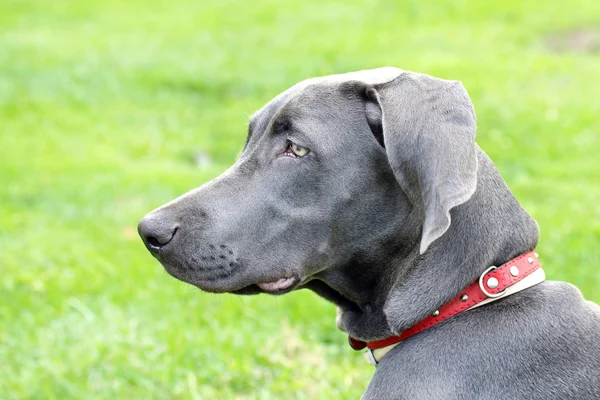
(393, 212)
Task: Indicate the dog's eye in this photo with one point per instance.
(299, 150)
(296, 150)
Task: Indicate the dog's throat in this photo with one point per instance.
(328, 293)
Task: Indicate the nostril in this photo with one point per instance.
(158, 241)
(157, 232)
(152, 241)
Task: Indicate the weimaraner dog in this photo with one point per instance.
(368, 189)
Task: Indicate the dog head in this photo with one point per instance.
(333, 170)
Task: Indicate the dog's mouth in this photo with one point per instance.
(281, 285)
(276, 287)
(232, 280)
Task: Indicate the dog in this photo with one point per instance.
(368, 189)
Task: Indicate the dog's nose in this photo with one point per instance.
(156, 231)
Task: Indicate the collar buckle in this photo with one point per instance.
(482, 286)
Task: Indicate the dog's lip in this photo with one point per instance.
(279, 286)
(286, 283)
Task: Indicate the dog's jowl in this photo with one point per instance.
(368, 189)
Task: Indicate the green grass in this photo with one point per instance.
(103, 105)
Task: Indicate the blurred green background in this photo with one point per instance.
(111, 108)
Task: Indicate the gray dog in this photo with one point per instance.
(368, 188)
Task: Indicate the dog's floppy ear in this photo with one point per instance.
(427, 126)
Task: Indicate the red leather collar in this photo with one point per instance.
(491, 283)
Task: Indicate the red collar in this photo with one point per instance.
(492, 283)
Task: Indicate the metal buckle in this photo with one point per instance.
(488, 294)
(372, 359)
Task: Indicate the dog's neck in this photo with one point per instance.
(489, 229)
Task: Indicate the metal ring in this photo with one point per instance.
(488, 294)
(374, 361)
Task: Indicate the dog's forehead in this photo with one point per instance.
(378, 76)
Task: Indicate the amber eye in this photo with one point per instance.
(297, 150)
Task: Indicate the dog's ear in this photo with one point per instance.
(427, 126)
